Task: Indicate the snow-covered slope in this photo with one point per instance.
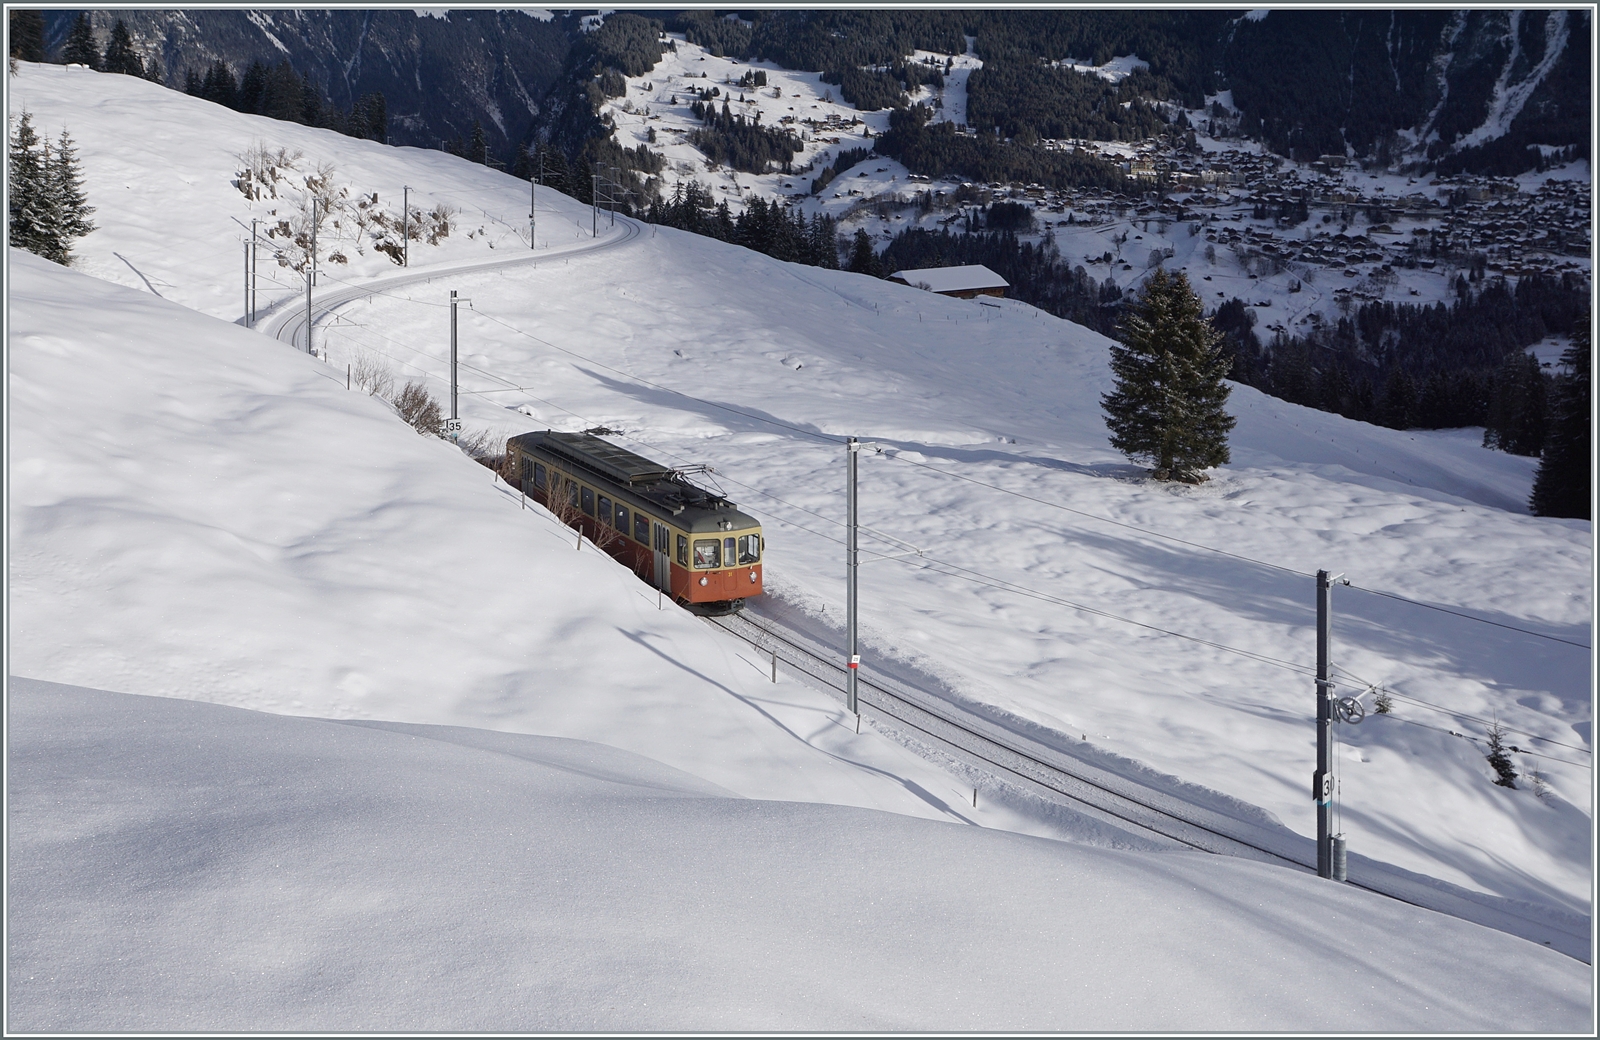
(379, 588)
(182, 866)
(198, 511)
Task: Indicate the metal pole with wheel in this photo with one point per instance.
(1322, 779)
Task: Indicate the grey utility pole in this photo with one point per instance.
(405, 226)
(255, 265)
(1322, 779)
(313, 241)
(247, 318)
(453, 427)
(853, 451)
(533, 213)
(594, 205)
(309, 325)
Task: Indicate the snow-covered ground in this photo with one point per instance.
(199, 512)
(183, 866)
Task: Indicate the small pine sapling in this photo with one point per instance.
(1505, 775)
(1383, 704)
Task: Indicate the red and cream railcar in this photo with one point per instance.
(689, 542)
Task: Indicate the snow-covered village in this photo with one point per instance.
(869, 521)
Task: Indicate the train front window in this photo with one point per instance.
(605, 509)
(683, 551)
(728, 551)
(707, 553)
(750, 548)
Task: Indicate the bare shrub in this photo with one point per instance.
(561, 499)
(417, 407)
(371, 373)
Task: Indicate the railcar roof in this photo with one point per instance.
(694, 507)
(620, 464)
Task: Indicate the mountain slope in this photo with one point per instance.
(994, 463)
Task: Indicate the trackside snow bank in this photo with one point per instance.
(184, 866)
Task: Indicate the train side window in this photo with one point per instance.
(539, 475)
(641, 528)
(622, 519)
(683, 551)
(572, 494)
(750, 548)
(605, 510)
(707, 553)
(587, 498)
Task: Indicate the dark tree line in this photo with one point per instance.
(1027, 102)
(1410, 366)
(278, 92)
(777, 230)
(119, 56)
(733, 141)
(846, 158)
(939, 150)
(1562, 486)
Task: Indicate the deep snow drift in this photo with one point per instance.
(188, 866)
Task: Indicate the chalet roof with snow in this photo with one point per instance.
(972, 278)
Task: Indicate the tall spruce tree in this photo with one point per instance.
(27, 35)
(48, 207)
(28, 217)
(120, 55)
(80, 48)
(862, 259)
(1167, 406)
(68, 199)
(1562, 487)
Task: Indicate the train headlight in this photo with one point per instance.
(752, 577)
(702, 579)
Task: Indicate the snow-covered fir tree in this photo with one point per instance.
(120, 55)
(1167, 406)
(80, 48)
(48, 206)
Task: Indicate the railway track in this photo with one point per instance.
(286, 320)
(1030, 764)
(1126, 803)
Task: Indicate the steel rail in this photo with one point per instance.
(1017, 757)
